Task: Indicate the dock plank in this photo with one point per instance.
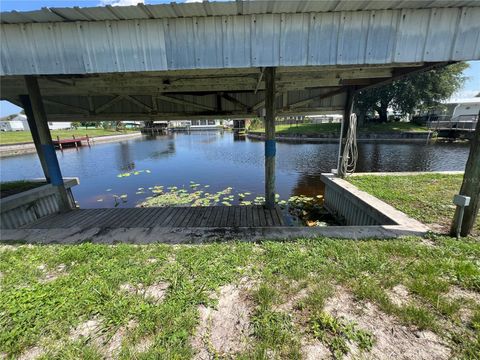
(205, 216)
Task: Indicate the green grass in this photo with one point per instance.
(38, 313)
(14, 137)
(427, 197)
(14, 187)
(306, 129)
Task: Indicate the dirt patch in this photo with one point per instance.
(392, 340)
(31, 353)
(456, 293)
(156, 291)
(88, 329)
(109, 346)
(293, 300)
(399, 295)
(49, 276)
(314, 350)
(143, 345)
(465, 312)
(224, 331)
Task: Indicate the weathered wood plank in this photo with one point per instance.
(261, 214)
(181, 217)
(213, 216)
(268, 217)
(148, 217)
(255, 219)
(169, 216)
(203, 213)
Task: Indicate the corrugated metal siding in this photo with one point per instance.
(362, 37)
(174, 10)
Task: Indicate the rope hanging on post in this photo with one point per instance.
(350, 151)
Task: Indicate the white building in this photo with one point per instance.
(59, 125)
(17, 122)
(196, 124)
(466, 108)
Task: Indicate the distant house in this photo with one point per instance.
(16, 122)
(465, 108)
(59, 125)
(195, 124)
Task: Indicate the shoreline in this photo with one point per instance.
(413, 137)
(7, 150)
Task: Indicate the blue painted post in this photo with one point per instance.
(27, 107)
(46, 148)
(270, 146)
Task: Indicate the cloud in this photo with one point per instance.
(464, 94)
(192, 1)
(120, 2)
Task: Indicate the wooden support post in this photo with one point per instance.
(47, 149)
(59, 143)
(470, 186)
(27, 107)
(270, 146)
(344, 129)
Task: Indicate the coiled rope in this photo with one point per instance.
(349, 159)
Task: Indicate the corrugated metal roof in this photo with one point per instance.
(174, 10)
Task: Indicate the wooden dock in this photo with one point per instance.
(170, 217)
(74, 141)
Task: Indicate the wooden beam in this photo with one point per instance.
(235, 101)
(46, 145)
(138, 103)
(270, 146)
(66, 106)
(27, 107)
(183, 102)
(109, 103)
(317, 97)
(470, 186)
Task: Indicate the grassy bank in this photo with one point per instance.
(14, 137)
(305, 129)
(15, 187)
(414, 298)
(427, 198)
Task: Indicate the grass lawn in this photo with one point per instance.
(15, 187)
(409, 297)
(14, 137)
(305, 129)
(406, 298)
(427, 198)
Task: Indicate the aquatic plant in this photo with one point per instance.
(301, 209)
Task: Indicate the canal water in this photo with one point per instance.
(220, 160)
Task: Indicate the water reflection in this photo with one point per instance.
(220, 160)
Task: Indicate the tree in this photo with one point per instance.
(421, 91)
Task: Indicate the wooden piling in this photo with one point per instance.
(270, 146)
(47, 148)
(470, 186)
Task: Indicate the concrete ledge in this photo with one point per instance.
(408, 173)
(199, 235)
(28, 206)
(421, 137)
(356, 207)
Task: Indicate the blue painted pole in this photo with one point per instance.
(46, 148)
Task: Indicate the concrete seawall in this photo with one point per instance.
(28, 148)
(333, 137)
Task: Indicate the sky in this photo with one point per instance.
(470, 89)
